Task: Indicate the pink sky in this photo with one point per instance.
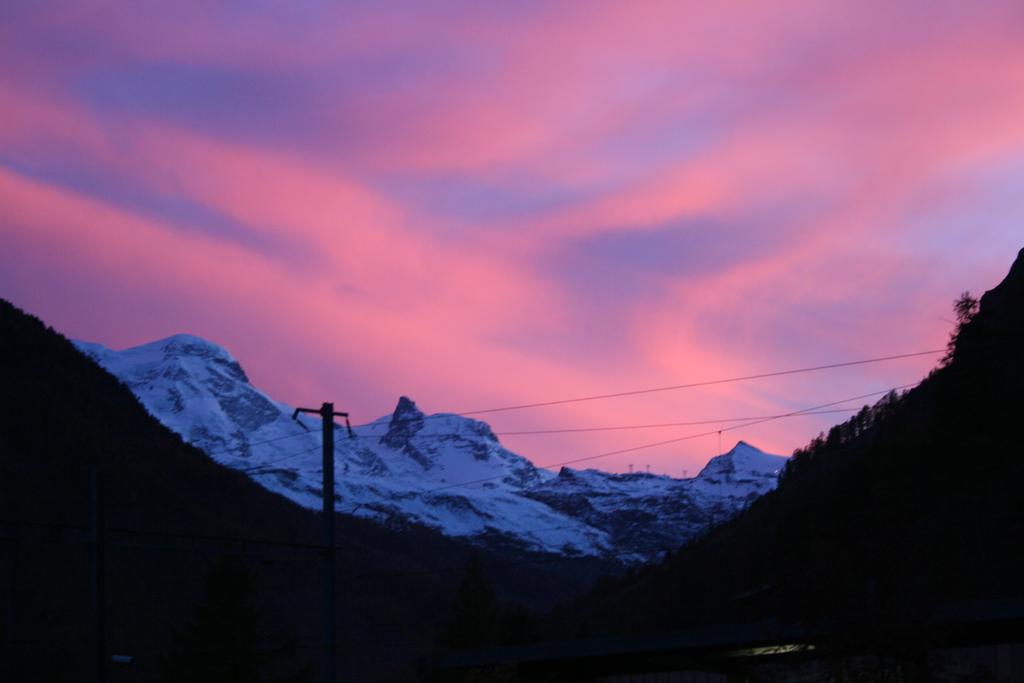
(478, 205)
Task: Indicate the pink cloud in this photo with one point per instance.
(837, 129)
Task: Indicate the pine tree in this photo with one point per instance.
(474, 622)
(965, 308)
(226, 641)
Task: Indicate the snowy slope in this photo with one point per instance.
(649, 513)
(409, 466)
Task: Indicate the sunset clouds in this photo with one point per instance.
(483, 205)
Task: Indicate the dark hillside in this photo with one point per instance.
(61, 415)
(913, 504)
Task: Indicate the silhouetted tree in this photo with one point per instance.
(479, 620)
(965, 308)
(226, 641)
(475, 617)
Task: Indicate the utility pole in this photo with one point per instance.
(327, 415)
(98, 580)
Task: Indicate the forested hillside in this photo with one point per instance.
(911, 505)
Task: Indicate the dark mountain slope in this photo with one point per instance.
(912, 504)
(60, 415)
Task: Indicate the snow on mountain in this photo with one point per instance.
(441, 470)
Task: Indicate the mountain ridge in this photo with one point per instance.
(443, 470)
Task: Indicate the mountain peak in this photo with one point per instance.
(406, 409)
(185, 344)
(745, 451)
(741, 461)
(185, 338)
(406, 421)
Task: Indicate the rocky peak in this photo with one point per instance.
(406, 410)
(406, 421)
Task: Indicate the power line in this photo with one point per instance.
(779, 373)
(691, 423)
(571, 430)
(674, 387)
(509, 433)
(636, 392)
(256, 469)
(734, 427)
(749, 423)
(677, 439)
(250, 444)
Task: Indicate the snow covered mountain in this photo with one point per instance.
(441, 470)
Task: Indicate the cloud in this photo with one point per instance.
(481, 205)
